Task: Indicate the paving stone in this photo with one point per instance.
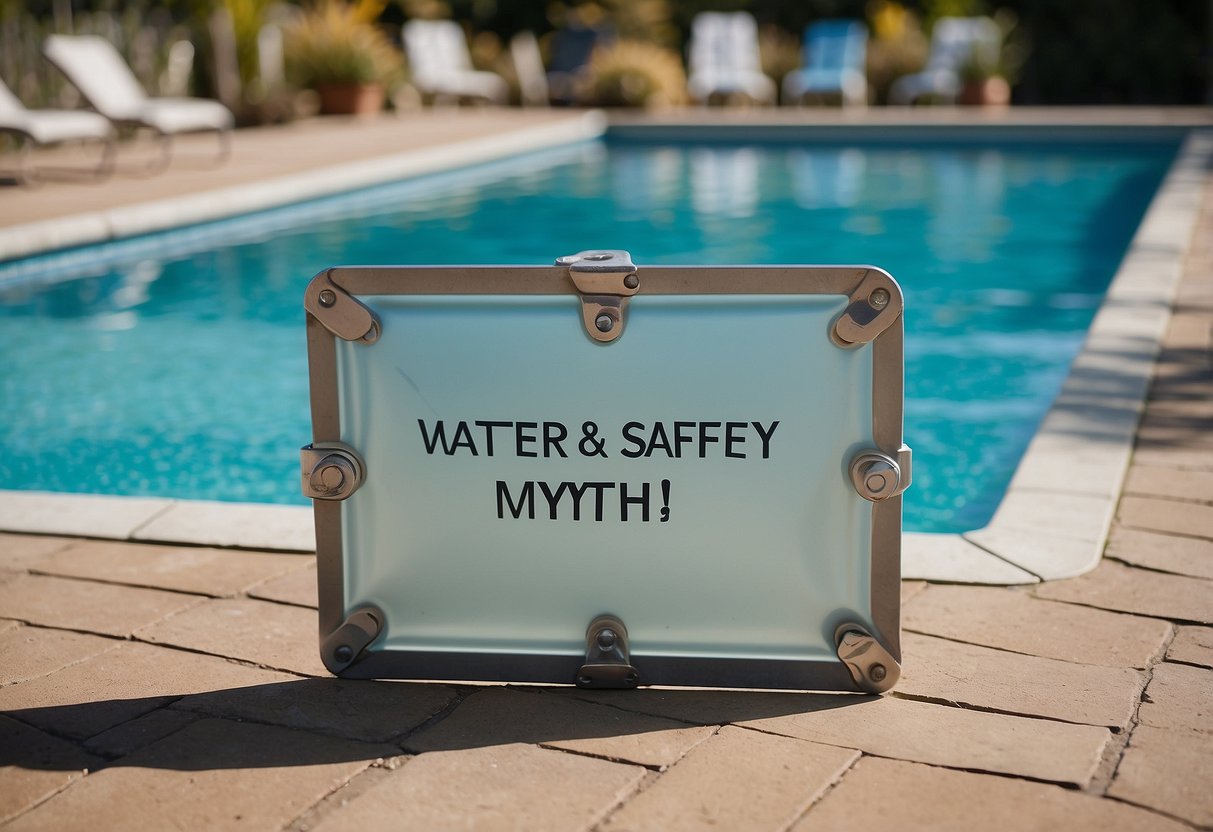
(1115, 587)
(361, 710)
(214, 774)
(1152, 481)
(1045, 554)
(1183, 456)
(256, 526)
(737, 779)
(83, 515)
(273, 635)
(909, 589)
(1169, 516)
(968, 674)
(20, 552)
(505, 715)
(498, 787)
(84, 605)
(891, 727)
(139, 733)
(43, 766)
(295, 587)
(1179, 697)
(1016, 621)
(1164, 552)
(1193, 645)
(92, 696)
(1168, 771)
(181, 568)
(949, 557)
(887, 794)
(29, 652)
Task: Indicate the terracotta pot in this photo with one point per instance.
(989, 92)
(350, 99)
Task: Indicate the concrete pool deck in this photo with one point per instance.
(178, 686)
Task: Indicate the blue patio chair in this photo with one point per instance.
(954, 42)
(835, 52)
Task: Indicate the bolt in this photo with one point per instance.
(877, 672)
(328, 298)
(879, 299)
(584, 680)
(875, 483)
(604, 322)
(631, 281)
(631, 678)
(606, 639)
(332, 477)
(344, 653)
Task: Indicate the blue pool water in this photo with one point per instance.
(174, 364)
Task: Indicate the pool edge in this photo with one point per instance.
(1123, 342)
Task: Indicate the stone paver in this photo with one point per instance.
(1179, 697)
(1016, 621)
(1193, 645)
(85, 605)
(1152, 481)
(1171, 516)
(29, 652)
(95, 695)
(19, 552)
(1115, 587)
(887, 794)
(1168, 771)
(500, 787)
(736, 779)
(138, 733)
(185, 569)
(501, 716)
(1164, 552)
(44, 765)
(297, 587)
(273, 635)
(213, 774)
(967, 674)
(891, 727)
(360, 710)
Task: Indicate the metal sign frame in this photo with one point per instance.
(867, 656)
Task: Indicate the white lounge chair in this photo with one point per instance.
(724, 58)
(50, 127)
(954, 42)
(834, 55)
(442, 67)
(94, 67)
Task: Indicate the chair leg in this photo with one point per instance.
(225, 145)
(108, 161)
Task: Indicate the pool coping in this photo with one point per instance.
(1053, 520)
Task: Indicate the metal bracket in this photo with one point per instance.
(339, 311)
(872, 667)
(331, 470)
(605, 279)
(874, 304)
(608, 663)
(877, 476)
(347, 643)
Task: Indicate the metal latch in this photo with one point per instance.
(605, 280)
(872, 667)
(331, 470)
(340, 312)
(347, 643)
(874, 304)
(608, 662)
(877, 476)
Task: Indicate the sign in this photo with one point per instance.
(598, 474)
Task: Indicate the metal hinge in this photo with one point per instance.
(872, 667)
(608, 662)
(339, 311)
(874, 304)
(347, 643)
(605, 280)
(331, 470)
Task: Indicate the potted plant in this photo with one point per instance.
(335, 49)
(631, 73)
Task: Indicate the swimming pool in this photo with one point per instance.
(1003, 252)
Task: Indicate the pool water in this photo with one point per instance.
(174, 364)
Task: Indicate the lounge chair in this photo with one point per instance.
(954, 42)
(50, 127)
(442, 67)
(528, 65)
(94, 67)
(835, 52)
(724, 58)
